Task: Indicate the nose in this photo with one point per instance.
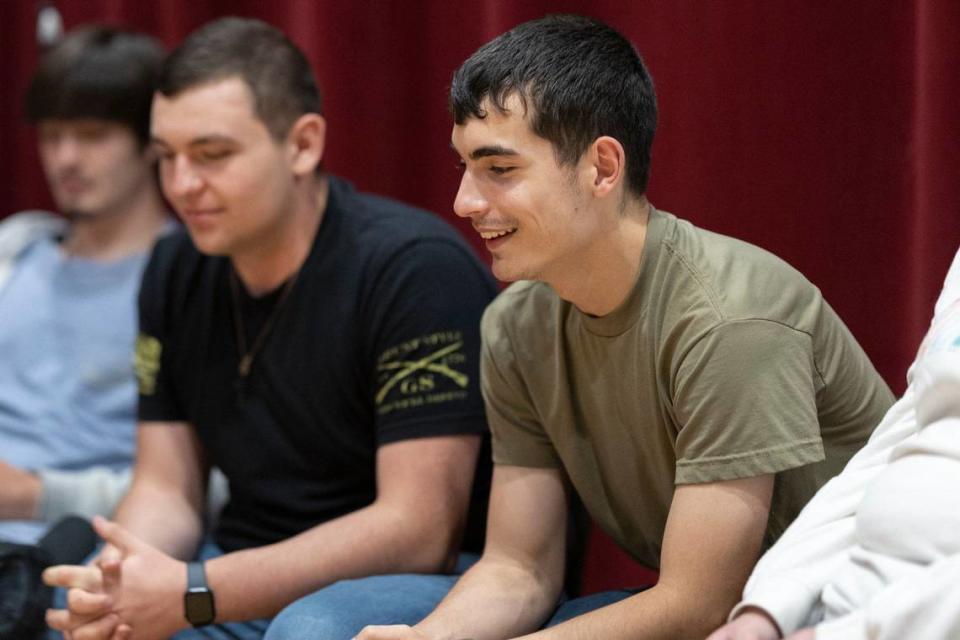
(469, 201)
(180, 179)
(64, 151)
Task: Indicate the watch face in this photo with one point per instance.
(198, 607)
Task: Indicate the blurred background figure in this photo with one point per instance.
(68, 289)
(68, 284)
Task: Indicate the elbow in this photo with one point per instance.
(431, 553)
(698, 617)
(701, 626)
(697, 625)
(433, 545)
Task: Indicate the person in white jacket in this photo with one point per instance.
(876, 553)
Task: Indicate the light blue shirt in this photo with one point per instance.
(67, 390)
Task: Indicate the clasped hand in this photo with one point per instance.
(130, 587)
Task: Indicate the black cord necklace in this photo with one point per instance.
(247, 355)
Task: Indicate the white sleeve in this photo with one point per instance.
(93, 491)
(925, 604)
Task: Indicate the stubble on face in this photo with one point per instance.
(94, 168)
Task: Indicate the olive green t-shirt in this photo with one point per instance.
(723, 362)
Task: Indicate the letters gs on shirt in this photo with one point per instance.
(421, 371)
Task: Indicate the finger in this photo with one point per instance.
(109, 555)
(58, 619)
(99, 629)
(111, 574)
(123, 632)
(71, 575)
(84, 603)
(63, 620)
(386, 632)
(116, 534)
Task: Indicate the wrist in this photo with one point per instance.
(199, 606)
(22, 496)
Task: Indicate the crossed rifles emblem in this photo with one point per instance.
(406, 368)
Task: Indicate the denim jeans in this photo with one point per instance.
(341, 610)
(344, 608)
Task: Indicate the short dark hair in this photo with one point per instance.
(97, 72)
(577, 78)
(275, 70)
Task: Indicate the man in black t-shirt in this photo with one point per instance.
(318, 345)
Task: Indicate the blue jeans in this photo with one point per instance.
(341, 610)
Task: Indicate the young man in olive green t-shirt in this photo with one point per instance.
(693, 389)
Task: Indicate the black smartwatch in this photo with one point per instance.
(198, 607)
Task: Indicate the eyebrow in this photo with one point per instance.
(487, 151)
(196, 141)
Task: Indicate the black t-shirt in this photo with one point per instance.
(377, 342)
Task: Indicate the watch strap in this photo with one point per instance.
(199, 607)
(196, 577)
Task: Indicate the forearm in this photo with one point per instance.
(497, 598)
(163, 517)
(659, 613)
(378, 539)
(20, 493)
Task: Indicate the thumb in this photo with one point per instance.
(116, 535)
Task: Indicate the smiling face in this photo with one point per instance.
(94, 167)
(533, 214)
(230, 181)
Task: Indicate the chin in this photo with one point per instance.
(208, 245)
(505, 272)
(77, 214)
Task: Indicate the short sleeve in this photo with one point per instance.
(518, 436)
(426, 309)
(745, 399)
(154, 345)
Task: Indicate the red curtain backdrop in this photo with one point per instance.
(828, 133)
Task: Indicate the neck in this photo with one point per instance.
(113, 235)
(606, 270)
(275, 259)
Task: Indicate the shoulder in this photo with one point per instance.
(383, 233)
(735, 279)
(20, 229)
(172, 271)
(172, 253)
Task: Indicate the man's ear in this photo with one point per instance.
(306, 141)
(609, 165)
